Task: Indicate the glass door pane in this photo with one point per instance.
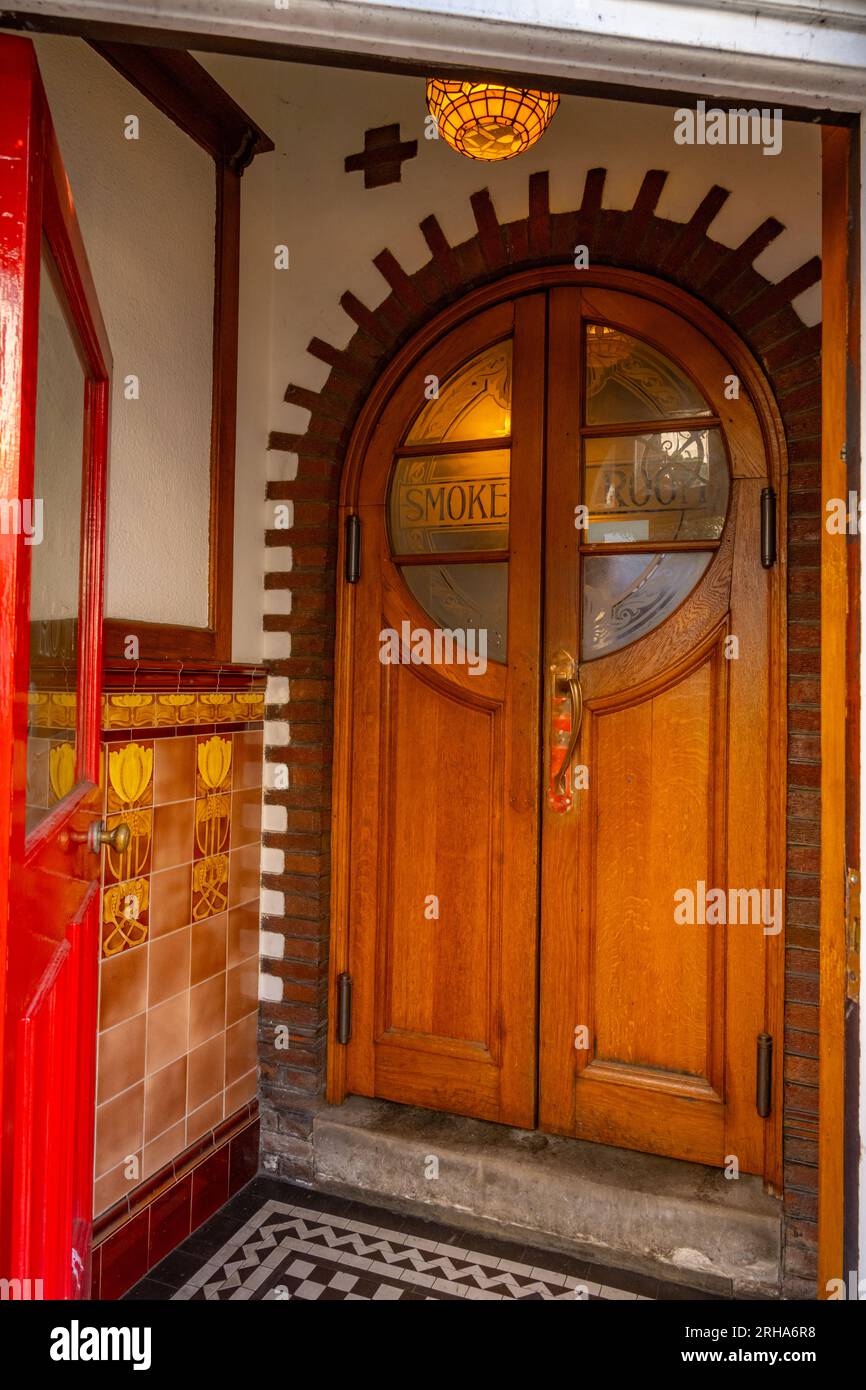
(55, 541)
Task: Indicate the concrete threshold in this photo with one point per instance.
(680, 1221)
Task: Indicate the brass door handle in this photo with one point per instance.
(96, 835)
(573, 686)
(564, 728)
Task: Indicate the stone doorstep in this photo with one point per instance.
(682, 1222)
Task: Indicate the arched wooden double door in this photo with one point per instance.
(560, 723)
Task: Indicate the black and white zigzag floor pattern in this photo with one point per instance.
(299, 1252)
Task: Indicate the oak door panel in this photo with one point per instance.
(441, 912)
(444, 792)
(649, 1025)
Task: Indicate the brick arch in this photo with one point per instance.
(300, 619)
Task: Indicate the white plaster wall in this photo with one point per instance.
(146, 210)
(333, 226)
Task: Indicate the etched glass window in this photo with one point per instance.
(474, 403)
(628, 381)
(655, 483)
(626, 596)
(445, 502)
(448, 500)
(465, 596)
(667, 486)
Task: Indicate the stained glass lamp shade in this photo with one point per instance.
(486, 121)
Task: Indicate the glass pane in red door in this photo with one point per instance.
(55, 575)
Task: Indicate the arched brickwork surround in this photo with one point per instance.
(296, 897)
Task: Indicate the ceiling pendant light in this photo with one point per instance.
(486, 121)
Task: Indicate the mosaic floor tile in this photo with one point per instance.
(275, 1241)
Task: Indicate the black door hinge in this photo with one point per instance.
(344, 1008)
(764, 1076)
(353, 549)
(768, 527)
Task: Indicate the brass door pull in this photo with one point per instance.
(566, 717)
(96, 835)
(573, 685)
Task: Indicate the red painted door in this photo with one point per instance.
(55, 370)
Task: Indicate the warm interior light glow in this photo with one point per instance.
(485, 121)
(605, 346)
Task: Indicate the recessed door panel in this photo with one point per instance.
(656, 991)
(442, 914)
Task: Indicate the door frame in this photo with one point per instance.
(56, 989)
(747, 368)
(839, 931)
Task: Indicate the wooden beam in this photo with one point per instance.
(185, 92)
(836, 211)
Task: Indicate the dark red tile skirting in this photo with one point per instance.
(140, 1230)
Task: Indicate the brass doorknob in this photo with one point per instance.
(116, 839)
(96, 835)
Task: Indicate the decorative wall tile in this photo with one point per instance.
(174, 769)
(171, 900)
(122, 987)
(135, 860)
(243, 933)
(165, 1099)
(167, 1038)
(207, 1010)
(210, 887)
(244, 875)
(128, 711)
(248, 759)
(241, 1091)
(240, 1048)
(168, 935)
(121, 1058)
(130, 776)
(208, 953)
(38, 756)
(216, 707)
(163, 1149)
(125, 908)
(119, 1128)
(169, 966)
(213, 819)
(172, 834)
(117, 1183)
(205, 1118)
(242, 990)
(180, 709)
(206, 1076)
(63, 712)
(213, 764)
(246, 816)
(174, 709)
(61, 770)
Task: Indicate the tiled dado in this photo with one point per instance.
(181, 709)
(140, 1230)
(180, 939)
